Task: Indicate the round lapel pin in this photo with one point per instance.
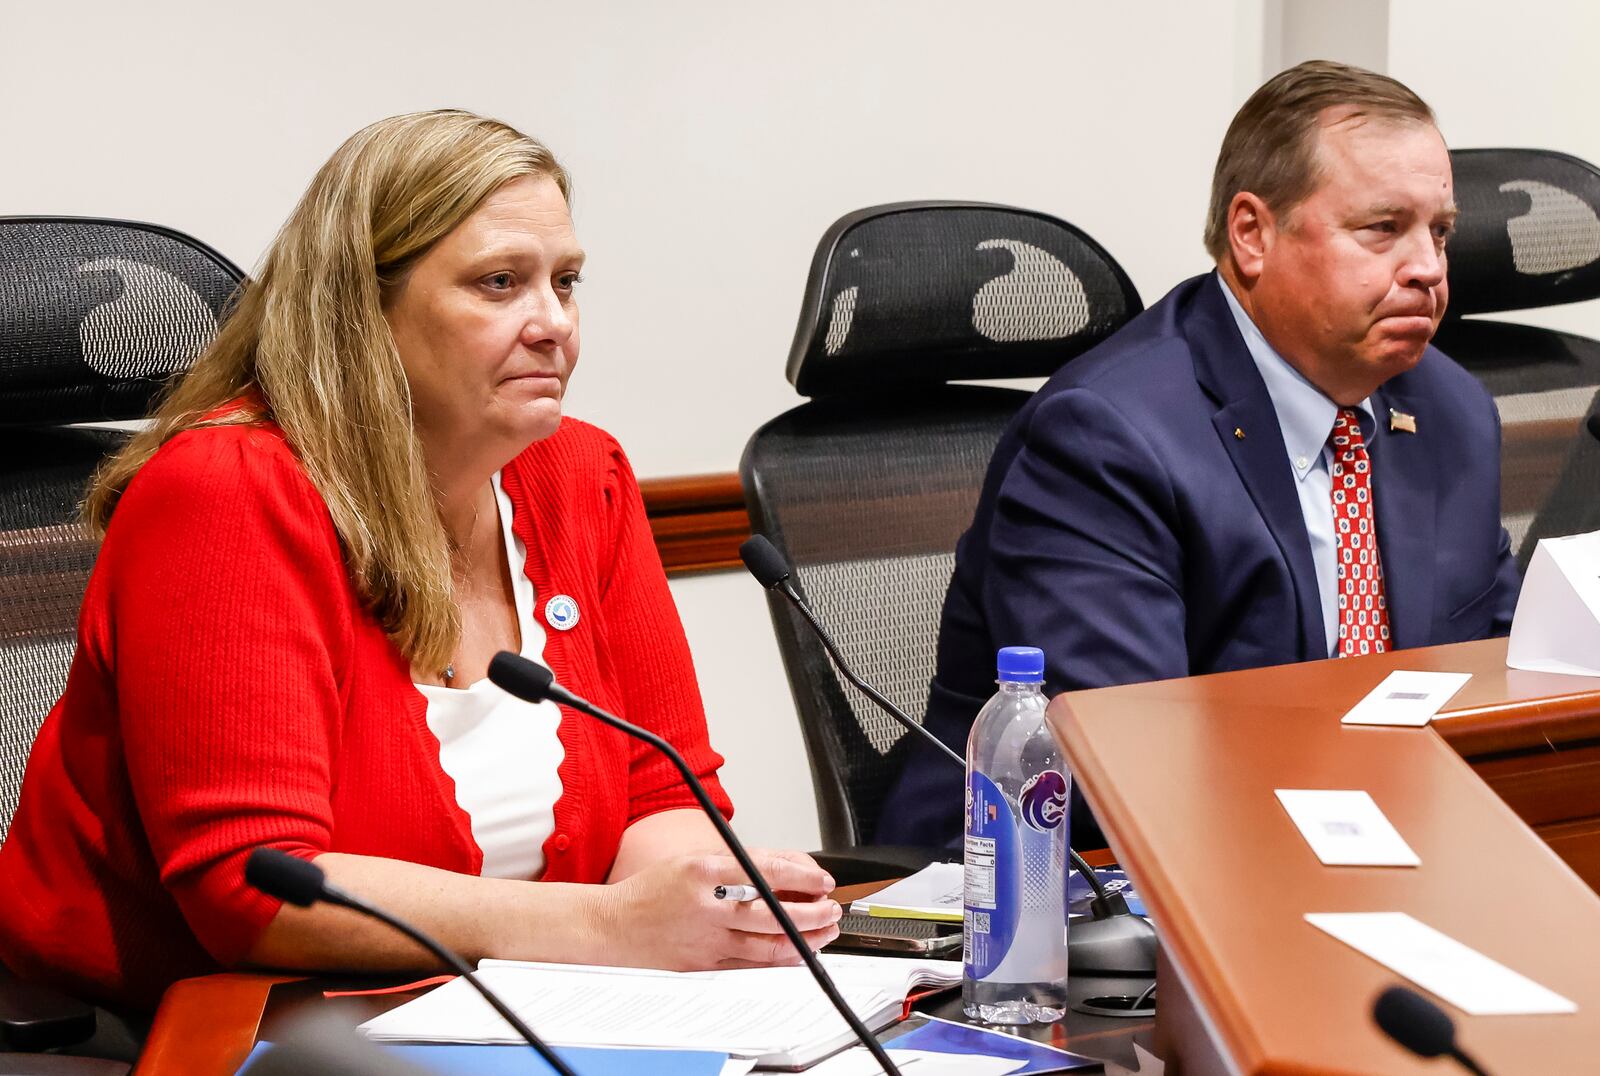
(561, 612)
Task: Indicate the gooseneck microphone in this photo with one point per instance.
(532, 682)
(772, 572)
(1420, 1026)
(1120, 946)
(302, 883)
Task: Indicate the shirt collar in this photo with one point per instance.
(1305, 415)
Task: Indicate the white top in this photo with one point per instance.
(502, 753)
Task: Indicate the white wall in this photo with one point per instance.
(711, 144)
(1516, 75)
(712, 141)
(1349, 31)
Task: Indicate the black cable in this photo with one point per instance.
(334, 895)
(894, 711)
(768, 898)
(861, 685)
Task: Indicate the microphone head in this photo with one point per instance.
(289, 878)
(764, 561)
(1414, 1022)
(516, 675)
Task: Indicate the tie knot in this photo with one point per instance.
(1346, 430)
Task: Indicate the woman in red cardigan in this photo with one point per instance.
(361, 492)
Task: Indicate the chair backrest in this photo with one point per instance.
(1529, 236)
(95, 316)
(867, 488)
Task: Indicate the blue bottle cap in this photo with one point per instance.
(1021, 664)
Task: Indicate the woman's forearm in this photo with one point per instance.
(661, 915)
(477, 917)
(662, 836)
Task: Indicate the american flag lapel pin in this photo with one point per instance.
(1399, 420)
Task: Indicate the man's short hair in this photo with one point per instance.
(1270, 149)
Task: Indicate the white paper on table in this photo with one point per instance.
(934, 892)
(749, 1011)
(737, 1066)
(1346, 828)
(1149, 1064)
(1406, 698)
(1557, 624)
(1439, 964)
(857, 1061)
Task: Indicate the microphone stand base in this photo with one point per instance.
(1123, 946)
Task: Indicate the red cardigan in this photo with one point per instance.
(229, 691)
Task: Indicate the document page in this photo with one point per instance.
(1439, 964)
(750, 1012)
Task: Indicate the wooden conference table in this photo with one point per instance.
(1181, 774)
(210, 1024)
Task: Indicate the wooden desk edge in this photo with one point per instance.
(1553, 717)
(1510, 726)
(1227, 1030)
(207, 1024)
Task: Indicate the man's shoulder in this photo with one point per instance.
(1148, 360)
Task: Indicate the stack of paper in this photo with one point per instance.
(935, 892)
(776, 1015)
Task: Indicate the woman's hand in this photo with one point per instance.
(665, 916)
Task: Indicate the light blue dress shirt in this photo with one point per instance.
(1305, 417)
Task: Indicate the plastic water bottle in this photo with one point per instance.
(1014, 923)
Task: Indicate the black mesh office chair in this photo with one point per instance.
(866, 488)
(95, 315)
(1529, 236)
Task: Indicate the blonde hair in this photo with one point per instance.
(309, 337)
(1270, 149)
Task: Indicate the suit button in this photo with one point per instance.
(561, 842)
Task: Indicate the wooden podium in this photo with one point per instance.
(1181, 775)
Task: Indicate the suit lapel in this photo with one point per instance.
(1403, 485)
(1226, 371)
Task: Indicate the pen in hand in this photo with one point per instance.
(742, 893)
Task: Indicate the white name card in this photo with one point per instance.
(1439, 964)
(1557, 624)
(1345, 828)
(1406, 698)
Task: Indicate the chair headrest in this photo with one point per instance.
(1529, 231)
(95, 315)
(926, 292)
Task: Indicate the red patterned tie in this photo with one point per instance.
(1363, 613)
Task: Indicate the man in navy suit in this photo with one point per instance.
(1269, 465)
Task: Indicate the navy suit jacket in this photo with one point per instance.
(1126, 529)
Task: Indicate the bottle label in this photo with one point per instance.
(991, 901)
(1044, 800)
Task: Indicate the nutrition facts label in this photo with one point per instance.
(979, 873)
